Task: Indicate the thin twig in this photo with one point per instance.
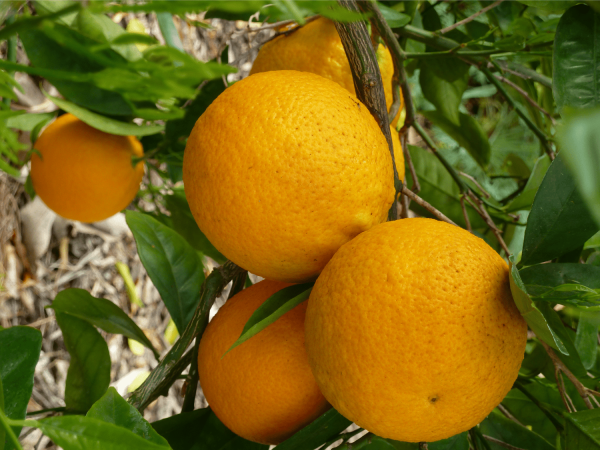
(465, 214)
(419, 201)
(560, 384)
(416, 187)
(526, 96)
(581, 389)
(470, 18)
(480, 208)
(507, 413)
(423, 446)
(501, 444)
(476, 183)
(405, 206)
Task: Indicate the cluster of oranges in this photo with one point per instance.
(410, 330)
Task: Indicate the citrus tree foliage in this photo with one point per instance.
(511, 98)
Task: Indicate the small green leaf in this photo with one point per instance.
(530, 312)
(323, 429)
(112, 408)
(577, 58)
(586, 339)
(272, 309)
(19, 353)
(579, 137)
(208, 433)
(559, 220)
(468, 134)
(174, 267)
(583, 430)
(79, 432)
(103, 123)
(445, 95)
(89, 370)
(99, 312)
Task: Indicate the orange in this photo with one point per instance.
(282, 169)
(412, 332)
(262, 390)
(317, 48)
(398, 154)
(83, 173)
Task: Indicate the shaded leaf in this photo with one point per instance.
(559, 220)
(324, 428)
(99, 312)
(89, 370)
(577, 59)
(174, 267)
(393, 18)
(272, 309)
(457, 442)
(586, 339)
(509, 432)
(19, 353)
(209, 433)
(583, 430)
(525, 199)
(445, 95)
(79, 432)
(112, 408)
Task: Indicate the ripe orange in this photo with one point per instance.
(262, 390)
(83, 173)
(282, 169)
(412, 332)
(317, 48)
(398, 154)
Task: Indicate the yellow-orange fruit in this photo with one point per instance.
(262, 390)
(282, 169)
(317, 48)
(83, 173)
(398, 153)
(412, 332)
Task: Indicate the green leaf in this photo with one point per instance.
(19, 353)
(551, 5)
(457, 442)
(577, 59)
(27, 122)
(509, 432)
(579, 138)
(105, 124)
(133, 38)
(184, 223)
(208, 433)
(169, 31)
(99, 312)
(445, 95)
(272, 309)
(112, 408)
(583, 430)
(393, 18)
(586, 339)
(79, 432)
(321, 430)
(89, 370)
(43, 7)
(439, 189)
(559, 220)
(468, 134)
(535, 319)
(525, 199)
(174, 267)
(2, 430)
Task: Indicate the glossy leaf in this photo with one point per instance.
(535, 319)
(586, 339)
(468, 134)
(583, 430)
(438, 188)
(445, 95)
(323, 429)
(272, 309)
(457, 442)
(393, 18)
(580, 139)
(19, 353)
(112, 408)
(106, 124)
(99, 312)
(174, 267)
(559, 220)
(79, 432)
(208, 433)
(184, 223)
(89, 370)
(577, 59)
(525, 199)
(509, 432)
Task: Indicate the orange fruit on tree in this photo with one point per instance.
(263, 390)
(426, 309)
(317, 48)
(83, 173)
(282, 169)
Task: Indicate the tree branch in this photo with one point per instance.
(470, 18)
